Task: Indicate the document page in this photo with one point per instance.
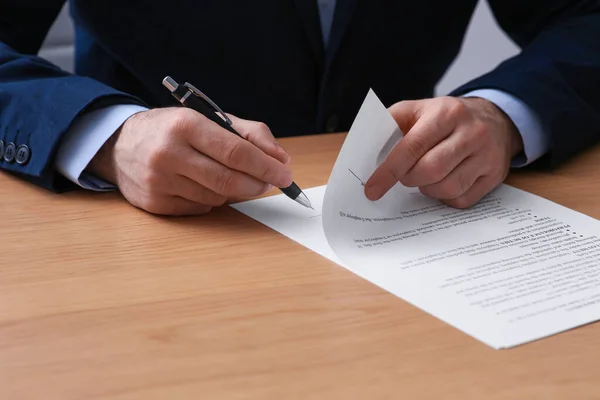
(511, 269)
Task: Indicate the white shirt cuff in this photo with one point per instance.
(536, 142)
(84, 139)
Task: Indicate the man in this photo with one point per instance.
(298, 67)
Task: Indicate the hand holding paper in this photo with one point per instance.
(456, 150)
(511, 269)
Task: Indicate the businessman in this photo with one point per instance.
(283, 68)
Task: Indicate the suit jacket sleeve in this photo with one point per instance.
(557, 72)
(39, 101)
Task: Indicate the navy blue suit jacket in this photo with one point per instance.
(265, 60)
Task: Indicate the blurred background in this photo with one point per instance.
(484, 47)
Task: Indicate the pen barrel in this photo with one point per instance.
(292, 191)
(199, 105)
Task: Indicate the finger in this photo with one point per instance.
(426, 133)
(482, 186)
(239, 154)
(406, 113)
(439, 162)
(261, 136)
(458, 182)
(216, 177)
(175, 206)
(192, 191)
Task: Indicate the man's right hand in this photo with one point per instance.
(175, 161)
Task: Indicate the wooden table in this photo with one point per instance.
(101, 300)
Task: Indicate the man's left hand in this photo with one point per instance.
(456, 150)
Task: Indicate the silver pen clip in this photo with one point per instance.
(204, 97)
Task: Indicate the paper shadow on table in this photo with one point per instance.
(227, 218)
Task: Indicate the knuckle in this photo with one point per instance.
(455, 108)
(158, 156)
(461, 203)
(449, 189)
(226, 183)
(268, 174)
(479, 128)
(261, 127)
(433, 171)
(479, 132)
(464, 184)
(152, 181)
(387, 171)
(233, 154)
(455, 188)
(416, 146)
(181, 121)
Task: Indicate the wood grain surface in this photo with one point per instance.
(99, 300)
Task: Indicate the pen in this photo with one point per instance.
(190, 96)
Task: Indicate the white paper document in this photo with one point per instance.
(511, 269)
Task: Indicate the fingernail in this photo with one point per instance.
(373, 192)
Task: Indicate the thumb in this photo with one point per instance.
(260, 135)
(406, 114)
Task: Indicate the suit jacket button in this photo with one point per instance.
(332, 124)
(9, 152)
(23, 155)
(1, 149)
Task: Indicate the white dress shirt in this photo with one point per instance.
(83, 140)
(90, 131)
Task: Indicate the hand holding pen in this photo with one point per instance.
(175, 161)
(190, 96)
